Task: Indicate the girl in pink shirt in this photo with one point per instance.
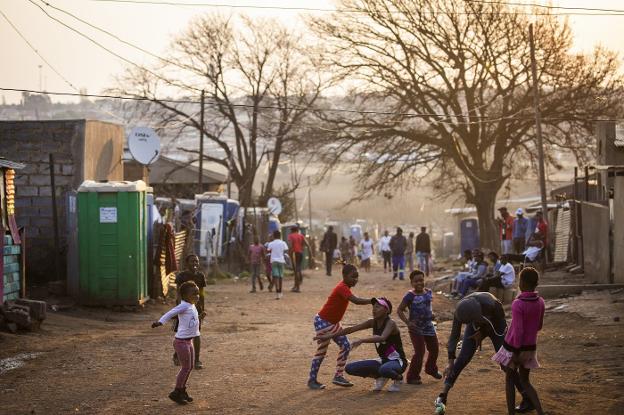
(518, 355)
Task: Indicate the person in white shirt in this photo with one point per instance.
(503, 278)
(386, 253)
(367, 250)
(278, 249)
(188, 328)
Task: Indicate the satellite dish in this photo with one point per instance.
(144, 145)
(274, 206)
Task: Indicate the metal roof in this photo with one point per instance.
(7, 164)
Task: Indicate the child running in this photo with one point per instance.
(387, 338)
(256, 253)
(327, 321)
(188, 329)
(421, 329)
(518, 355)
(277, 248)
(193, 273)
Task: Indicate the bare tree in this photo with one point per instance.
(453, 78)
(260, 82)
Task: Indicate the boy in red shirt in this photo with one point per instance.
(296, 244)
(328, 321)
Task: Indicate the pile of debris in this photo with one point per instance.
(22, 314)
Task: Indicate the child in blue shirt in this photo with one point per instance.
(421, 329)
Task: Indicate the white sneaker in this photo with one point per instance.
(395, 387)
(281, 295)
(380, 383)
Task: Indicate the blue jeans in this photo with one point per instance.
(423, 262)
(467, 284)
(398, 266)
(469, 347)
(375, 369)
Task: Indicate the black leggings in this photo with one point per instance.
(387, 258)
(519, 378)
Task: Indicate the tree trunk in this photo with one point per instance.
(485, 200)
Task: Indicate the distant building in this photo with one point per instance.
(82, 150)
(174, 178)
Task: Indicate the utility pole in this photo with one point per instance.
(309, 206)
(538, 128)
(200, 179)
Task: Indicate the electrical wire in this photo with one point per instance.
(573, 11)
(95, 42)
(34, 49)
(114, 36)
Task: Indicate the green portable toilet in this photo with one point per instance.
(112, 243)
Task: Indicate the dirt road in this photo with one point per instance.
(256, 353)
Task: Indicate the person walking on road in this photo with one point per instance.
(367, 250)
(384, 248)
(409, 252)
(328, 246)
(423, 250)
(296, 243)
(398, 244)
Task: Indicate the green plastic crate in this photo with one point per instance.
(8, 240)
(11, 250)
(11, 296)
(11, 277)
(11, 259)
(14, 267)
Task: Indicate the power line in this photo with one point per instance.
(34, 49)
(484, 119)
(114, 36)
(49, 64)
(573, 11)
(546, 6)
(104, 47)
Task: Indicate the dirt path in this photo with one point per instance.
(256, 353)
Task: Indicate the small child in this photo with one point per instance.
(256, 253)
(277, 248)
(188, 329)
(327, 321)
(387, 338)
(267, 262)
(421, 329)
(518, 355)
(193, 273)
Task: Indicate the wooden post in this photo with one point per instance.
(538, 126)
(586, 184)
(200, 179)
(56, 253)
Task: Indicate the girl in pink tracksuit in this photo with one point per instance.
(518, 355)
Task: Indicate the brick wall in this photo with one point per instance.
(31, 142)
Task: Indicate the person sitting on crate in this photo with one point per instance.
(504, 277)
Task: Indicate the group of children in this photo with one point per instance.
(481, 312)
(276, 254)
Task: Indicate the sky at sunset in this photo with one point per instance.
(85, 65)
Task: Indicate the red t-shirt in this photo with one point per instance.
(506, 228)
(296, 241)
(336, 304)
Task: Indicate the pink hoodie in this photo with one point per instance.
(527, 317)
